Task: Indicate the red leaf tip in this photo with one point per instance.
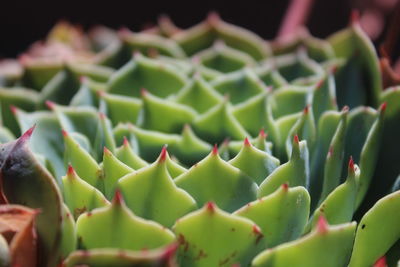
(354, 16)
(351, 164)
(382, 108)
(285, 187)
(106, 151)
(169, 252)
(71, 170)
(381, 262)
(256, 230)
(118, 199)
(163, 154)
(50, 104)
(306, 109)
(263, 134)
(296, 139)
(322, 225)
(64, 133)
(210, 206)
(215, 150)
(247, 142)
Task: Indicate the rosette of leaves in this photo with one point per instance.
(202, 147)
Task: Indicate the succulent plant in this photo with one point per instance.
(199, 147)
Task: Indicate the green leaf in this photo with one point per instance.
(359, 80)
(151, 193)
(25, 181)
(213, 179)
(328, 246)
(105, 257)
(212, 237)
(164, 115)
(255, 163)
(120, 228)
(289, 99)
(68, 237)
(377, 231)
(79, 195)
(281, 216)
(126, 154)
(295, 172)
(159, 78)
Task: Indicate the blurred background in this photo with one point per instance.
(23, 22)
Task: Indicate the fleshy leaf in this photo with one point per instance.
(121, 108)
(126, 154)
(157, 77)
(25, 181)
(281, 216)
(105, 257)
(164, 115)
(212, 237)
(68, 237)
(213, 179)
(255, 163)
(295, 172)
(377, 231)
(120, 228)
(326, 246)
(79, 195)
(151, 193)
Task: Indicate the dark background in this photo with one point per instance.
(23, 22)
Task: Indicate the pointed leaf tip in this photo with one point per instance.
(285, 187)
(71, 170)
(170, 251)
(106, 151)
(210, 206)
(102, 116)
(351, 164)
(50, 104)
(263, 134)
(143, 92)
(13, 109)
(382, 108)
(306, 109)
(381, 262)
(64, 133)
(215, 150)
(247, 142)
(319, 84)
(345, 109)
(28, 133)
(118, 199)
(163, 154)
(213, 18)
(354, 16)
(322, 225)
(296, 139)
(125, 142)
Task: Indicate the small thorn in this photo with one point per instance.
(213, 18)
(143, 92)
(210, 206)
(285, 187)
(296, 139)
(50, 104)
(322, 225)
(351, 164)
(126, 142)
(71, 170)
(106, 151)
(382, 108)
(256, 230)
(306, 109)
(118, 199)
(163, 154)
(330, 152)
(345, 109)
(263, 134)
(215, 150)
(13, 109)
(354, 16)
(28, 133)
(247, 142)
(381, 262)
(64, 133)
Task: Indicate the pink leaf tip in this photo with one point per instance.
(64, 133)
(13, 109)
(126, 142)
(210, 206)
(354, 16)
(382, 108)
(169, 252)
(28, 133)
(213, 18)
(322, 225)
(263, 134)
(381, 262)
(247, 142)
(163, 154)
(50, 104)
(118, 199)
(345, 109)
(215, 150)
(106, 151)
